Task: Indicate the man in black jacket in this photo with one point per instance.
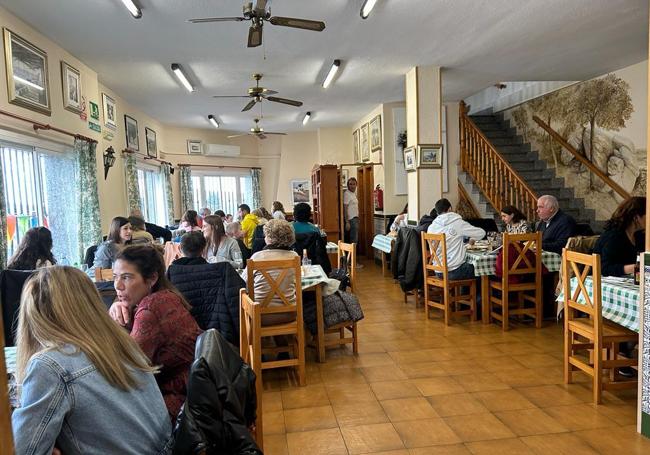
(555, 225)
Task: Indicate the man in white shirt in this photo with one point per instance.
(351, 211)
(455, 229)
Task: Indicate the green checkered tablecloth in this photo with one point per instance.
(383, 243)
(486, 263)
(620, 300)
(314, 276)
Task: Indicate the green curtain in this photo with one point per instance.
(187, 192)
(256, 179)
(3, 222)
(165, 170)
(90, 229)
(132, 189)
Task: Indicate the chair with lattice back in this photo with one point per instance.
(250, 350)
(103, 274)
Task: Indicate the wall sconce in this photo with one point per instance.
(109, 160)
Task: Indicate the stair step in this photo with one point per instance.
(499, 142)
(536, 173)
(514, 149)
(496, 134)
(528, 166)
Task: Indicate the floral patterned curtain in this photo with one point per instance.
(3, 222)
(187, 192)
(256, 179)
(165, 170)
(90, 229)
(131, 175)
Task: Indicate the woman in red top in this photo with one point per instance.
(158, 317)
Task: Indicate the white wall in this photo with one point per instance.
(513, 94)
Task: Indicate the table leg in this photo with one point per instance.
(485, 299)
(383, 264)
(320, 325)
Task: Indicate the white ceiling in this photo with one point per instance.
(477, 42)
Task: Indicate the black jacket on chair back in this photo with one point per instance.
(11, 286)
(406, 259)
(316, 246)
(213, 292)
(220, 404)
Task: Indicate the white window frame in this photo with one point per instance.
(201, 202)
(161, 219)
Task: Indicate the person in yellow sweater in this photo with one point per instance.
(248, 224)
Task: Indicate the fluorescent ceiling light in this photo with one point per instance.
(26, 82)
(180, 75)
(306, 118)
(213, 121)
(332, 72)
(133, 8)
(367, 7)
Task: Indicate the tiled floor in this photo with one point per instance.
(418, 387)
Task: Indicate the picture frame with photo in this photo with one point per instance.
(345, 173)
(355, 146)
(71, 84)
(300, 191)
(110, 111)
(375, 133)
(410, 161)
(194, 147)
(430, 156)
(131, 131)
(27, 74)
(365, 143)
(152, 143)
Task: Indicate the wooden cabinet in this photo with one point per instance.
(325, 194)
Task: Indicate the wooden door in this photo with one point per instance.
(365, 179)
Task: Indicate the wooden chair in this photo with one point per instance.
(585, 330)
(275, 272)
(518, 263)
(103, 274)
(579, 244)
(450, 298)
(250, 350)
(348, 254)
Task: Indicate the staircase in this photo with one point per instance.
(529, 167)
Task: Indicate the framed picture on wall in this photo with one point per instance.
(375, 134)
(131, 129)
(300, 191)
(110, 111)
(71, 82)
(410, 163)
(365, 143)
(152, 144)
(355, 146)
(193, 147)
(430, 155)
(27, 77)
(344, 178)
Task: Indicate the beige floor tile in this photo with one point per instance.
(437, 386)
(275, 444)
(318, 442)
(579, 417)
(549, 395)
(364, 413)
(559, 444)
(515, 348)
(527, 422)
(499, 363)
(371, 438)
(460, 366)
(389, 390)
(383, 373)
(273, 422)
(344, 393)
(480, 382)
(306, 419)
(457, 404)
(342, 376)
(375, 359)
(272, 401)
(503, 400)
(428, 432)
(455, 449)
(616, 440)
(408, 409)
(478, 427)
(423, 370)
(424, 355)
(524, 377)
(621, 414)
(499, 447)
(536, 360)
(304, 397)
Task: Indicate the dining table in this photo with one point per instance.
(313, 277)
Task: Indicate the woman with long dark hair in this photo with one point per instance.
(190, 222)
(220, 248)
(34, 251)
(119, 235)
(515, 222)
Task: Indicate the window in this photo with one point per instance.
(37, 193)
(153, 197)
(222, 190)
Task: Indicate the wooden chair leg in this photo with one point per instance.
(598, 373)
(505, 311)
(447, 306)
(355, 339)
(301, 358)
(472, 292)
(568, 341)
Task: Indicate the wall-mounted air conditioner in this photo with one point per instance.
(220, 150)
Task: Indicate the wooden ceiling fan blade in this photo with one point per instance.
(275, 99)
(238, 135)
(203, 20)
(305, 24)
(277, 134)
(250, 105)
(255, 35)
(262, 135)
(266, 91)
(230, 96)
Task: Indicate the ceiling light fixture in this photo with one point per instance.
(306, 118)
(180, 75)
(366, 8)
(133, 8)
(332, 72)
(213, 121)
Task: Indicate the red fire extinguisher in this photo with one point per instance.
(378, 195)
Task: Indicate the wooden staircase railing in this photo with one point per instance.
(592, 168)
(497, 180)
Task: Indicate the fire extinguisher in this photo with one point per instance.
(378, 195)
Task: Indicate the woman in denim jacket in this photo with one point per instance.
(86, 385)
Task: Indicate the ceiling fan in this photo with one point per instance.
(258, 131)
(258, 94)
(257, 15)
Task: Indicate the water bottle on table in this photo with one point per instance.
(306, 263)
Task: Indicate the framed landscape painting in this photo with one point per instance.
(110, 111)
(152, 144)
(132, 138)
(409, 159)
(71, 82)
(375, 133)
(355, 146)
(300, 191)
(365, 143)
(27, 77)
(430, 155)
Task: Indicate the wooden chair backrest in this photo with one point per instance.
(349, 252)
(517, 246)
(103, 274)
(434, 254)
(275, 272)
(582, 266)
